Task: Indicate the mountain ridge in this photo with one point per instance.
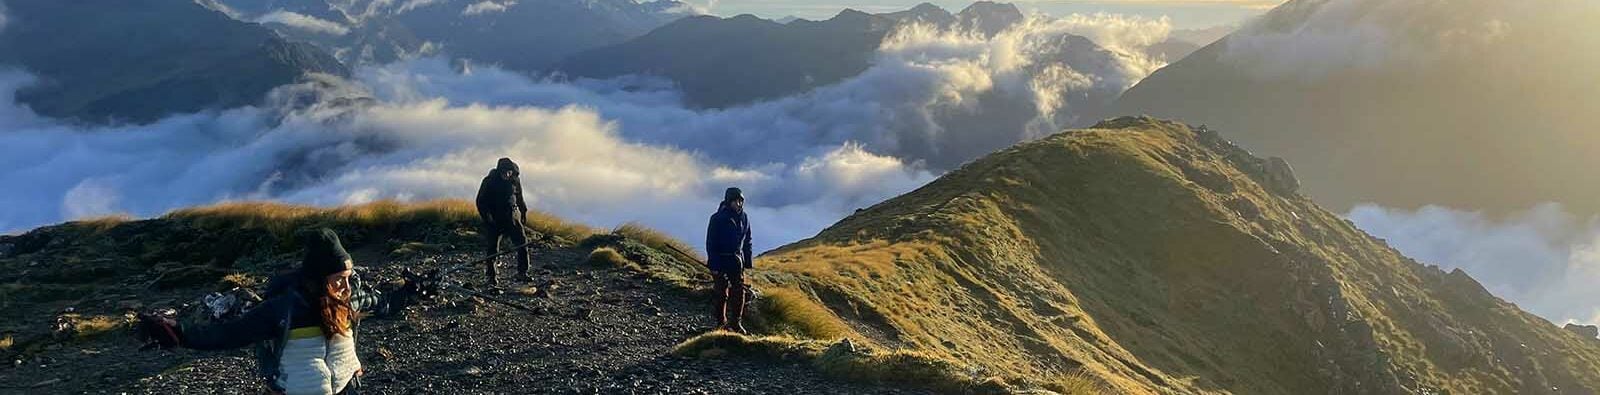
(1161, 259)
(757, 59)
(88, 71)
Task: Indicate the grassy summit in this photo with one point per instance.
(1153, 258)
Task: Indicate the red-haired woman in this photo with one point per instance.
(305, 332)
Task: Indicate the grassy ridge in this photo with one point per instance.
(1156, 259)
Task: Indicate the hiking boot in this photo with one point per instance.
(523, 277)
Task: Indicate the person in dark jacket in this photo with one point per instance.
(728, 254)
(304, 331)
(503, 212)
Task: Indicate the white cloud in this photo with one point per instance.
(483, 7)
(1545, 260)
(603, 152)
(304, 22)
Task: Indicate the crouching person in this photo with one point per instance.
(305, 332)
(728, 254)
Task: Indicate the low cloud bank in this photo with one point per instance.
(1545, 259)
(604, 152)
(304, 22)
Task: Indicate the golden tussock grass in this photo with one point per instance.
(282, 219)
(96, 325)
(652, 237)
(609, 257)
(792, 312)
(549, 224)
(842, 359)
(104, 222)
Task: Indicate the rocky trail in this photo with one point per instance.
(595, 330)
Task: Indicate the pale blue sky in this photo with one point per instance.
(1185, 14)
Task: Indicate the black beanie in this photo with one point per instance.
(732, 194)
(325, 255)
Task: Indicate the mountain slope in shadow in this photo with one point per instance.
(1157, 258)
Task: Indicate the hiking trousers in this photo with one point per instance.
(510, 228)
(730, 296)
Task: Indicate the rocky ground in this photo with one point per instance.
(595, 330)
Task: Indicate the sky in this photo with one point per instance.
(1185, 14)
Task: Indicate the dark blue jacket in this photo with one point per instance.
(728, 240)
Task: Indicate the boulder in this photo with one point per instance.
(1587, 331)
(1280, 177)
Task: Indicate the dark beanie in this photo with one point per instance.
(507, 164)
(732, 194)
(325, 255)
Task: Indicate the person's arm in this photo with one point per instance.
(261, 323)
(522, 206)
(749, 255)
(712, 247)
(368, 299)
(483, 210)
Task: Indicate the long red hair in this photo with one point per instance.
(332, 306)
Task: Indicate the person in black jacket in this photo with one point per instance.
(503, 211)
(305, 329)
(729, 253)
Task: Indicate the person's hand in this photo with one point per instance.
(158, 331)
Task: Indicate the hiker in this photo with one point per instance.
(305, 331)
(728, 254)
(503, 211)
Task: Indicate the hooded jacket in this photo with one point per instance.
(728, 246)
(499, 198)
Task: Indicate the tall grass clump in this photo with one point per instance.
(552, 225)
(791, 312)
(652, 238)
(843, 359)
(283, 219)
(608, 257)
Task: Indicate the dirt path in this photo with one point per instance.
(600, 330)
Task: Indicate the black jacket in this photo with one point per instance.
(267, 321)
(501, 198)
(728, 240)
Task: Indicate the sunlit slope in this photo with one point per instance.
(1159, 259)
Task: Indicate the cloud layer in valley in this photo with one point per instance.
(304, 22)
(603, 152)
(1546, 259)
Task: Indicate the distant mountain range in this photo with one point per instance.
(719, 62)
(1475, 104)
(140, 60)
(523, 35)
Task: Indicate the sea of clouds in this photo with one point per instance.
(604, 152)
(1545, 259)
